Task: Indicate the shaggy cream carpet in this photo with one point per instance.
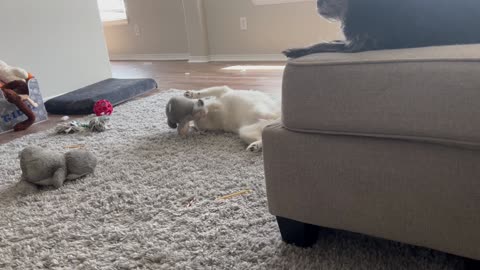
(153, 204)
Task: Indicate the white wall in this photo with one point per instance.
(163, 35)
(271, 28)
(60, 41)
(161, 25)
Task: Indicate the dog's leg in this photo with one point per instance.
(216, 91)
(266, 113)
(252, 135)
(364, 43)
(334, 46)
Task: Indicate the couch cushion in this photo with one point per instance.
(417, 193)
(430, 94)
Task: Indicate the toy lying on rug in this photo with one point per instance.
(181, 111)
(47, 168)
(245, 113)
(13, 84)
(96, 124)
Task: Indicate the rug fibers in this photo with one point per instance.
(153, 204)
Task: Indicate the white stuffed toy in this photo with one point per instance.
(14, 88)
(10, 74)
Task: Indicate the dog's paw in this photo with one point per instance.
(190, 94)
(198, 131)
(296, 52)
(255, 147)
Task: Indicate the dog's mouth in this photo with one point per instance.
(325, 13)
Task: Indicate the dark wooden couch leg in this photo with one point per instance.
(297, 233)
(471, 264)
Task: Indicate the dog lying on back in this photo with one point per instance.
(393, 24)
(245, 113)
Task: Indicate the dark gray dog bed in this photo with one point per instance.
(116, 91)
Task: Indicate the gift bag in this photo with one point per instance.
(10, 115)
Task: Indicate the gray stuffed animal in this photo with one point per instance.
(43, 167)
(181, 111)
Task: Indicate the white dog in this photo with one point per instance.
(245, 113)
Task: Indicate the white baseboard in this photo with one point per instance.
(149, 57)
(198, 59)
(247, 57)
(272, 2)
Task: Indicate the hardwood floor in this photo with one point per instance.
(183, 75)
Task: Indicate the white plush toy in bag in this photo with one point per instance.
(9, 74)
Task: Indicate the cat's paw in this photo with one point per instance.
(190, 94)
(255, 147)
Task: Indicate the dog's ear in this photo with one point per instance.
(171, 124)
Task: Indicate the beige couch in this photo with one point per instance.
(382, 143)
